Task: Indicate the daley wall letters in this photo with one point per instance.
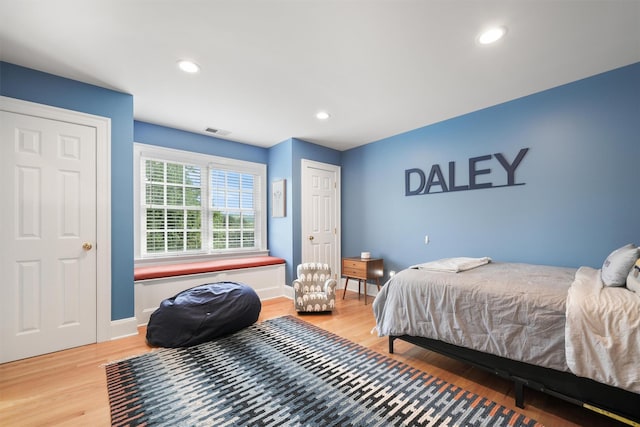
(417, 182)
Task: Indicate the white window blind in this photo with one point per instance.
(233, 210)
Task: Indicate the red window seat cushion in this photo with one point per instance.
(170, 270)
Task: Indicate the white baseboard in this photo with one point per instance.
(287, 292)
(123, 328)
(372, 289)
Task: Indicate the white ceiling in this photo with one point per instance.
(379, 68)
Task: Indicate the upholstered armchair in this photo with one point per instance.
(314, 289)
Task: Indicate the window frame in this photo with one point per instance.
(206, 162)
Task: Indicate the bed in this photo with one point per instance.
(558, 330)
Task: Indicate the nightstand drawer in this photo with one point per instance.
(360, 271)
(351, 263)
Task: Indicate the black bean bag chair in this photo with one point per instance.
(203, 313)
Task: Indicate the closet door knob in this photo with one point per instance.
(87, 246)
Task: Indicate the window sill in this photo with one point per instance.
(179, 259)
(187, 268)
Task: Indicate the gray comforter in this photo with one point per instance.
(515, 311)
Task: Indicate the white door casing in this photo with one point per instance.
(321, 214)
(52, 226)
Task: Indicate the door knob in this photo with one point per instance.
(87, 246)
(310, 237)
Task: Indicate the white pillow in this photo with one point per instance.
(633, 279)
(617, 265)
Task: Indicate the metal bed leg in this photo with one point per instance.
(519, 389)
(391, 344)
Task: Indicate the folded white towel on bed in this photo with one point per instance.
(453, 265)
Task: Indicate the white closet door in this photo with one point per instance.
(48, 235)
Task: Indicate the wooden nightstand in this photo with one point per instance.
(362, 269)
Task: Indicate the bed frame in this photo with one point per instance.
(613, 402)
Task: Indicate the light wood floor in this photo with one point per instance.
(68, 388)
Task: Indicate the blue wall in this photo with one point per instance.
(578, 203)
(281, 229)
(580, 198)
(147, 133)
(30, 85)
(285, 234)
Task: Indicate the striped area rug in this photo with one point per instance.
(287, 372)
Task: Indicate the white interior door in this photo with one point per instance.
(48, 235)
(321, 214)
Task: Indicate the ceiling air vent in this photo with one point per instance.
(217, 132)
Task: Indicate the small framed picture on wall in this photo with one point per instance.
(278, 198)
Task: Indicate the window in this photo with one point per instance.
(193, 204)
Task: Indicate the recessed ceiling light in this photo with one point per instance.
(492, 35)
(322, 115)
(188, 66)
